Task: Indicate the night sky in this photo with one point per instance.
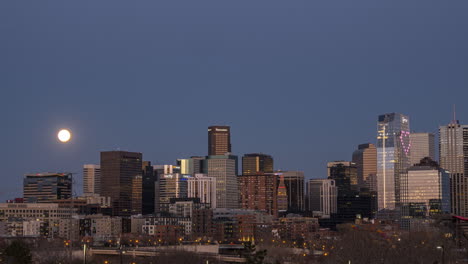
(302, 81)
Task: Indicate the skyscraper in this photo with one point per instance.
(365, 158)
(393, 152)
(224, 169)
(294, 182)
(148, 195)
(453, 154)
(219, 140)
(118, 170)
(91, 179)
(43, 187)
(191, 166)
(171, 186)
(259, 192)
(321, 196)
(256, 162)
(422, 145)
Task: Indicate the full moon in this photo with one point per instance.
(64, 135)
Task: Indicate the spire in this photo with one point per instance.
(454, 120)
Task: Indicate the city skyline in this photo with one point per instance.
(106, 72)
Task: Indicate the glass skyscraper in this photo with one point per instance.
(393, 157)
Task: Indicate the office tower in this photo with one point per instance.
(118, 169)
(259, 192)
(203, 187)
(191, 166)
(422, 145)
(393, 152)
(294, 182)
(345, 175)
(321, 196)
(425, 189)
(282, 194)
(224, 169)
(256, 162)
(453, 154)
(365, 158)
(45, 187)
(171, 186)
(148, 195)
(219, 140)
(91, 179)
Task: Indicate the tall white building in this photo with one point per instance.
(224, 169)
(321, 196)
(91, 179)
(393, 158)
(453, 141)
(422, 145)
(203, 187)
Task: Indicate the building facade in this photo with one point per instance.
(173, 185)
(453, 154)
(294, 182)
(422, 146)
(259, 192)
(393, 157)
(219, 140)
(256, 163)
(118, 170)
(44, 187)
(91, 179)
(203, 187)
(224, 170)
(321, 197)
(365, 158)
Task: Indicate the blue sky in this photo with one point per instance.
(303, 81)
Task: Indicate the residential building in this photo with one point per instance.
(259, 192)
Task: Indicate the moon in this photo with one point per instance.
(64, 135)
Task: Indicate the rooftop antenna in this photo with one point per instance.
(454, 114)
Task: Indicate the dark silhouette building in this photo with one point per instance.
(149, 188)
(118, 172)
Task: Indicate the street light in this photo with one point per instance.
(443, 253)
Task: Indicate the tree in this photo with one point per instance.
(252, 255)
(17, 252)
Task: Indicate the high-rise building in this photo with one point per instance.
(219, 140)
(224, 169)
(259, 192)
(148, 195)
(256, 163)
(453, 154)
(322, 196)
(345, 175)
(46, 187)
(282, 194)
(91, 179)
(171, 186)
(365, 158)
(425, 190)
(118, 170)
(422, 145)
(137, 194)
(393, 157)
(294, 182)
(191, 166)
(203, 187)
